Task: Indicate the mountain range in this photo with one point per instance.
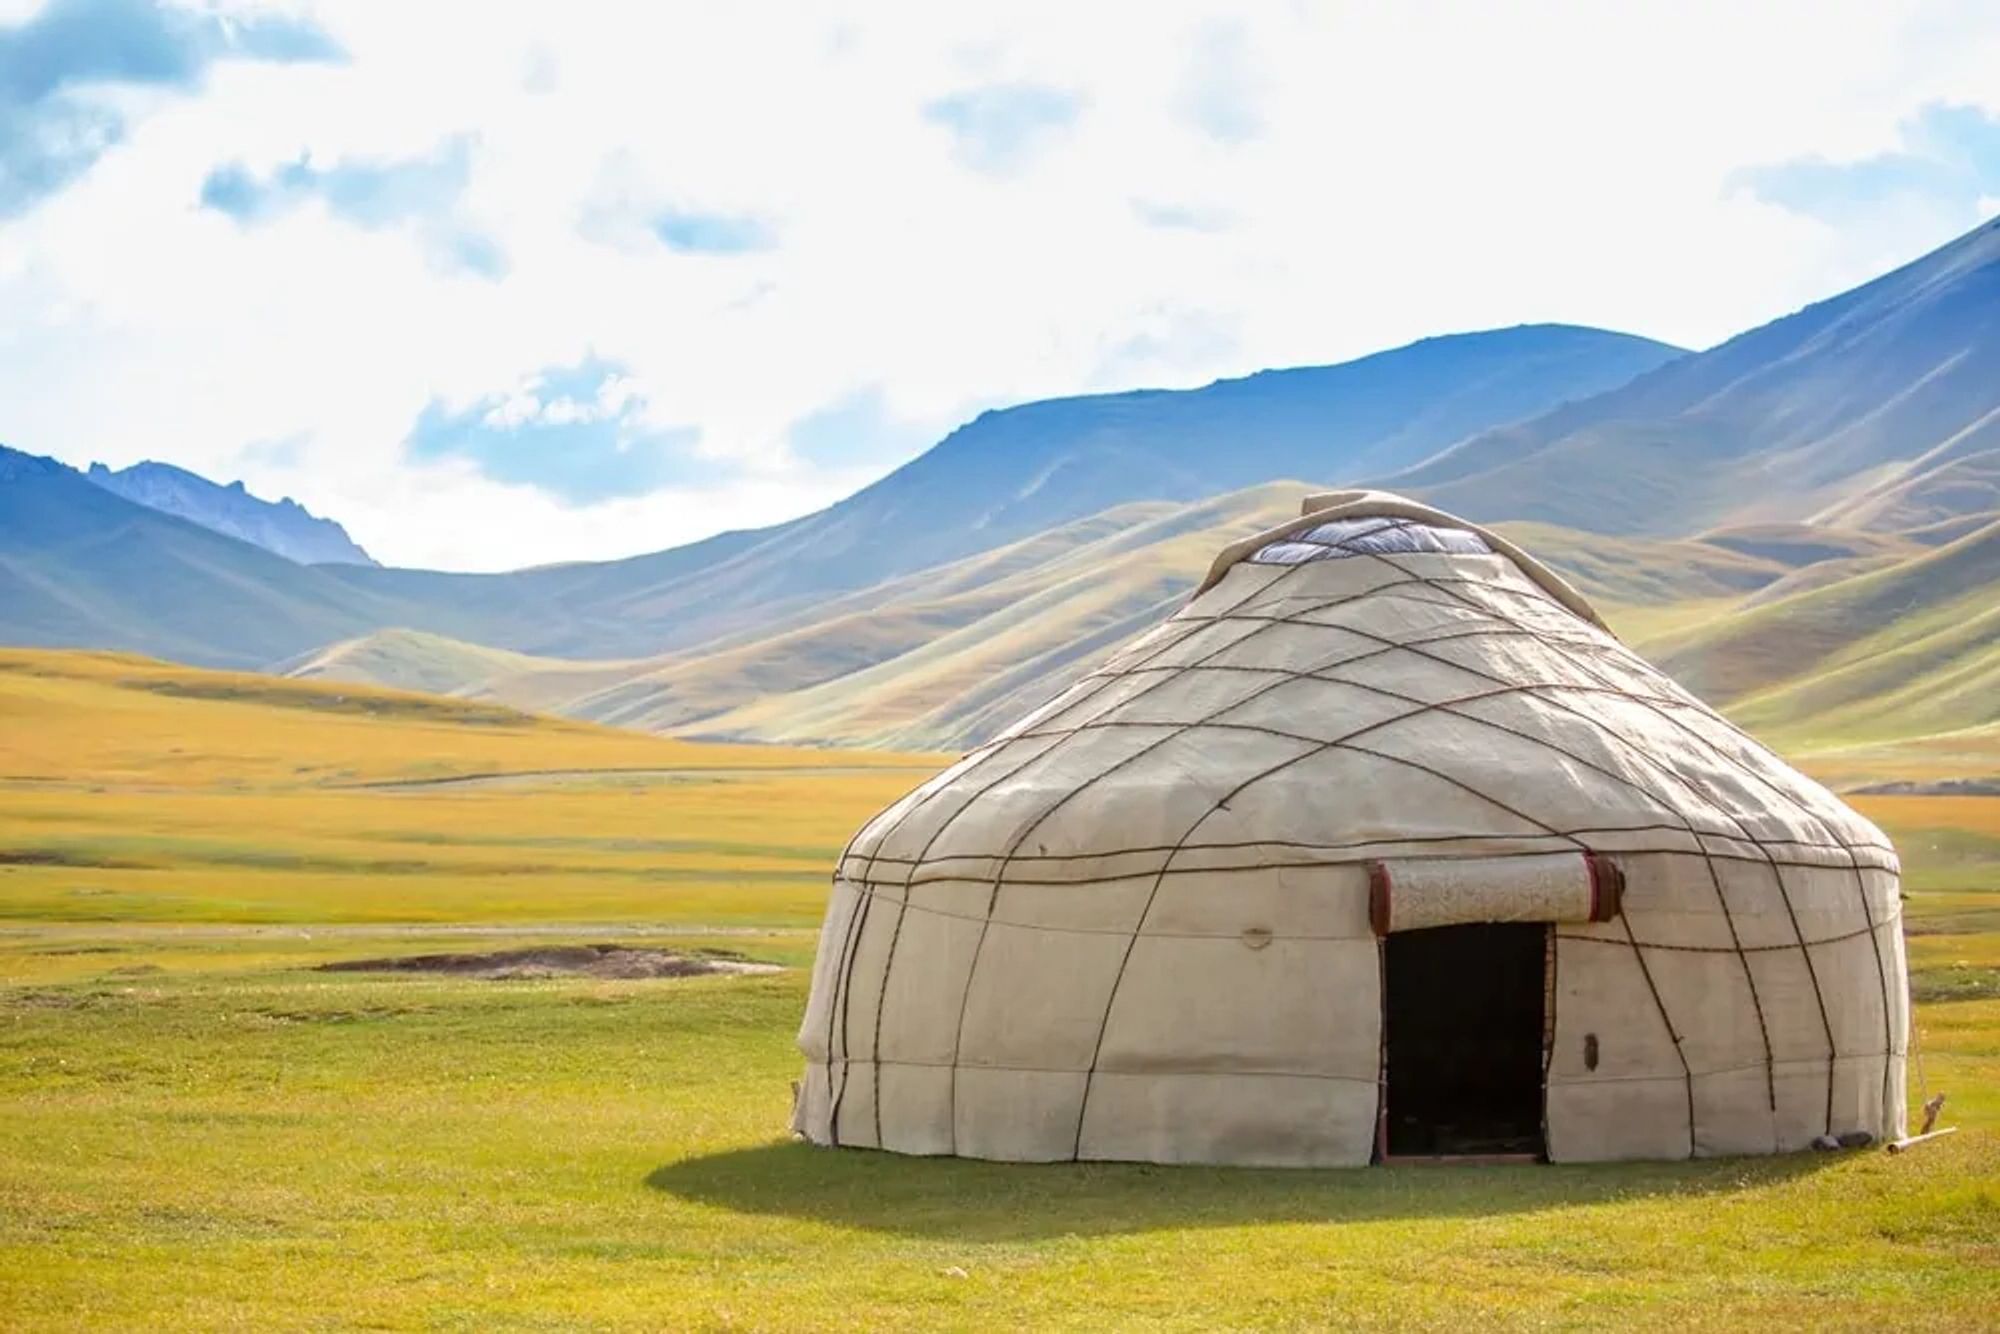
(285, 526)
(1007, 475)
(1799, 522)
(1877, 409)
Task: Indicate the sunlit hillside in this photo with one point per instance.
(1887, 630)
(118, 717)
(1903, 650)
(929, 660)
(131, 790)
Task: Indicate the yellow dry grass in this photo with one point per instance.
(1979, 815)
(115, 718)
(138, 791)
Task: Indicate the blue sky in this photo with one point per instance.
(578, 433)
(694, 233)
(997, 128)
(501, 283)
(1946, 158)
(422, 192)
(51, 60)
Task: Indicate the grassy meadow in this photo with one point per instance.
(199, 1128)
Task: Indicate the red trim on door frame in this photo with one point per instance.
(1379, 890)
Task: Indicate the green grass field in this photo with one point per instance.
(197, 1128)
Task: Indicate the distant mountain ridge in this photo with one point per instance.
(83, 567)
(1878, 408)
(1015, 472)
(285, 526)
(1019, 470)
(94, 569)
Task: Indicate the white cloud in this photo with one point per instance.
(1219, 90)
(747, 209)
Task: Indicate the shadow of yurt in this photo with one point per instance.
(963, 1199)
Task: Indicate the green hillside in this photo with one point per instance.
(945, 654)
(945, 657)
(1641, 572)
(435, 664)
(1853, 621)
(1048, 623)
(1911, 650)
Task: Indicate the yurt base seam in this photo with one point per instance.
(1362, 850)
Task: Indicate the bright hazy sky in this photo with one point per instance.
(501, 284)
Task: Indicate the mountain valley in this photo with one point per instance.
(1802, 524)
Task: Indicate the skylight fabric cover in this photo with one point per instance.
(1136, 924)
(1369, 536)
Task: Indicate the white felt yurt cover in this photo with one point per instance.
(1136, 925)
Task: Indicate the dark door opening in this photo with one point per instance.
(1462, 1006)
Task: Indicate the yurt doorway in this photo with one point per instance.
(1463, 1013)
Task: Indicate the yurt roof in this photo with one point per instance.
(1374, 679)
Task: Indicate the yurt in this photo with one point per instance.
(1384, 847)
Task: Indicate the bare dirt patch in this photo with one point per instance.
(1949, 787)
(545, 961)
(65, 858)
